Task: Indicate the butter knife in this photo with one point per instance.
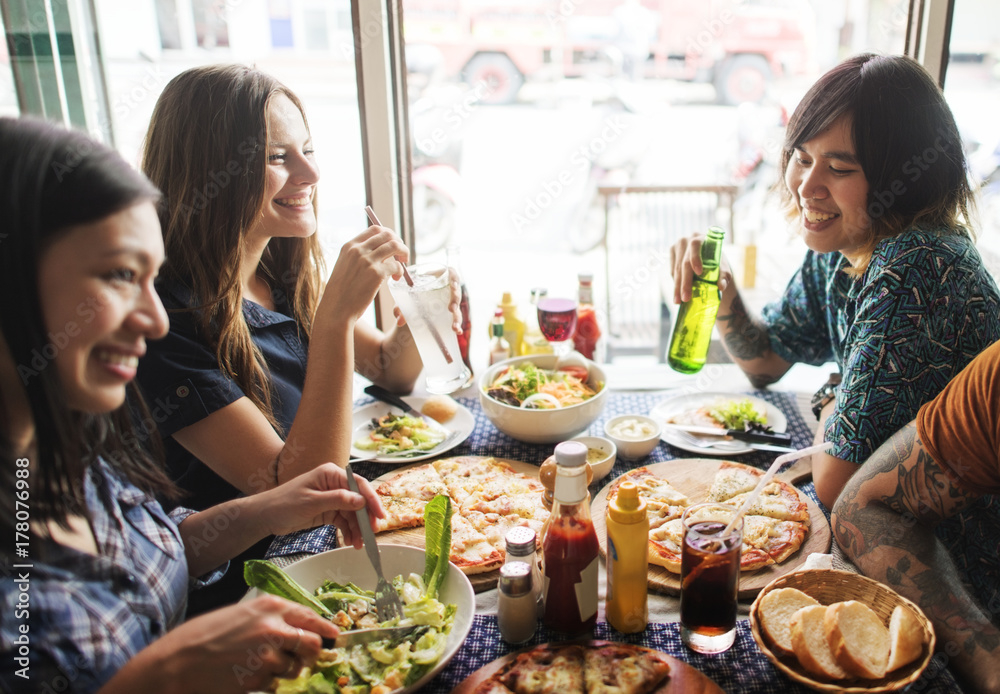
(780, 439)
(380, 393)
(352, 638)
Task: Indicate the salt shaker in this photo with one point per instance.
(521, 545)
(517, 613)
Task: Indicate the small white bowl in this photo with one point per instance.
(635, 435)
(602, 466)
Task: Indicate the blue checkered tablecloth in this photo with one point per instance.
(742, 669)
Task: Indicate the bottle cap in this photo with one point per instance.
(571, 454)
(538, 293)
(627, 506)
(515, 579)
(521, 541)
(585, 277)
(506, 299)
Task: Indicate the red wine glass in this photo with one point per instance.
(557, 321)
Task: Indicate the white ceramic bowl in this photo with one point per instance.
(602, 466)
(347, 564)
(542, 426)
(626, 432)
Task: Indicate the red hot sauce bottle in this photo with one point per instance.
(570, 547)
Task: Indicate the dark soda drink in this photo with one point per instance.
(710, 574)
(463, 339)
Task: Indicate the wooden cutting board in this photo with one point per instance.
(414, 537)
(693, 476)
(683, 679)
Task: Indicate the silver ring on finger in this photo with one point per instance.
(298, 640)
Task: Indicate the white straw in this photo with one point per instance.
(771, 472)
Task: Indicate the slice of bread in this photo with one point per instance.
(810, 645)
(906, 636)
(858, 638)
(776, 610)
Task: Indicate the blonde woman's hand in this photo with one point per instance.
(318, 497)
(364, 263)
(685, 263)
(455, 305)
(240, 648)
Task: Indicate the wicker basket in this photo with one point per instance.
(834, 586)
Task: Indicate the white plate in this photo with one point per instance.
(346, 564)
(663, 410)
(463, 422)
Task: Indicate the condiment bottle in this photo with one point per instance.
(588, 332)
(695, 319)
(499, 347)
(521, 543)
(534, 341)
(517, 615)
(452, 253)
(513, 326)
(570, 548)
(627, 560)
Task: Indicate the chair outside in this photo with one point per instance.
(641, 223)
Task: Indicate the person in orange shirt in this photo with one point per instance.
(922, 515)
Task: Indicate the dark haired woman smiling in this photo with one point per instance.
(892, 288)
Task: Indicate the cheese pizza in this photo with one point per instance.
(489, 498)
(774, 527)
(580, 668)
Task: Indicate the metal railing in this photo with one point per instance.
(641, 223)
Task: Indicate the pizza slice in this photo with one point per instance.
(663, 501)
(496, 526)
(778, 500)
(420, 482)
(400, 512)
(665, 545)
(546, 669)
(470, 550)
(618, 668)
(467, 475)
(733, 479)
(777, 538)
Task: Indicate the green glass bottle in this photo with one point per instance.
(695, 318)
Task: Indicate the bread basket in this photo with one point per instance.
(828, 586)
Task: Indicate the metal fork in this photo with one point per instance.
(387, 603)
(699, 442)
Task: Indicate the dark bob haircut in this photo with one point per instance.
(905, 139)
(52, 180)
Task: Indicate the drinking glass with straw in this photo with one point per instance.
(424, 298)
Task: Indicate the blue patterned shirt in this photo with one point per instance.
(88, 615)
(922, 310)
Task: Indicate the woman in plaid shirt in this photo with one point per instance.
(98, 573)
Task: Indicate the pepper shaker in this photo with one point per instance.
(517, 611)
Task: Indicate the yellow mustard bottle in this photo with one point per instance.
(513, 326)
(628, 562)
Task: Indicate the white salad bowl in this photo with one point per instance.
(349, 565)
(542, 426)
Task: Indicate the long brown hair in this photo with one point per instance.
(52, 180)
(901, 127)
(206, 149)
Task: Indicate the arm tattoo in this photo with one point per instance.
(883, 520)
(746, 338)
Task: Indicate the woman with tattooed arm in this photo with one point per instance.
(923, 516)
(892, 288)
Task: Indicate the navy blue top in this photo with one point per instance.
(182, 383)
(922, 310)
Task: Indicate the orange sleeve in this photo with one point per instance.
(960, 428)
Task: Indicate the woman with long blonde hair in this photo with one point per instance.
(253, 384)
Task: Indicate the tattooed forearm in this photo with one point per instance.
(745, 338)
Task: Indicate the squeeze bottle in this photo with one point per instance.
(628, 564)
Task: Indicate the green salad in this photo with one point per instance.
(399, 434)
(738, 414)
(376, 667)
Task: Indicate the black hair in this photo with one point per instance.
(905, 139)
(51, 180)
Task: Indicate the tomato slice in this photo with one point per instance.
(580, 372)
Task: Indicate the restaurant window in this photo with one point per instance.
(972, 87)
(520, 111)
